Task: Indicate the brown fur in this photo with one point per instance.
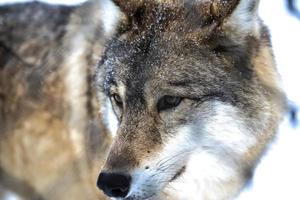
(171, 20)
(52, 142)
(198, 50)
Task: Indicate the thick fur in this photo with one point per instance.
(51, 141)
(217, 56)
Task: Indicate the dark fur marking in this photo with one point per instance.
(139, 14)
(181, 83)
(252, 6)
(241, 55)
(7, 54)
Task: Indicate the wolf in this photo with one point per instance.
(52, 141)
(196, 95)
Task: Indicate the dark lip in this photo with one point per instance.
(178, 174)
(146, 198)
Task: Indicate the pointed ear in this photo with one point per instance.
(129, 6)
(244, 17)
(213, 9)
(239, 36)
(130, 10)
(234, 15)
(240, 14)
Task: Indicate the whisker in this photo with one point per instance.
(167, 159)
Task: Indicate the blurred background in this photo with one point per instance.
(52, 138)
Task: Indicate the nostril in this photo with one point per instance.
(114, 184)
(119, 192)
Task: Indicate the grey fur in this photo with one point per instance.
(188, 49)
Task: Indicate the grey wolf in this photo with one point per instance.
(51, 141)
(196, 95)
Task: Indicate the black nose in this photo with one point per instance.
(114, 184)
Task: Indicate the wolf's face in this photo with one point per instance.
(193, 113)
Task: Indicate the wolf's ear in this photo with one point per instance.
(243, 18)
(241, 14)
(129, 6)
(235, 15)
(204, 9)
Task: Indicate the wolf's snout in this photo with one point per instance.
(114, 184)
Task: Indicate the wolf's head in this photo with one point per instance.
(195, 92)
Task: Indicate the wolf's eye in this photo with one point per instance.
(168, 102)
(117, 99)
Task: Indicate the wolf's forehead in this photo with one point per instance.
(167, 60)
(159, 60)
(161, 71)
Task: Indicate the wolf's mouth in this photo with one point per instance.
(178, 174)
(152, 196)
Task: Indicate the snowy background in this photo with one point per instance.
(277, 176)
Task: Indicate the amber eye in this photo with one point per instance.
(117, 99)
(168, 102)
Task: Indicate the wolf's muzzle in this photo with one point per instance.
(114, 184)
